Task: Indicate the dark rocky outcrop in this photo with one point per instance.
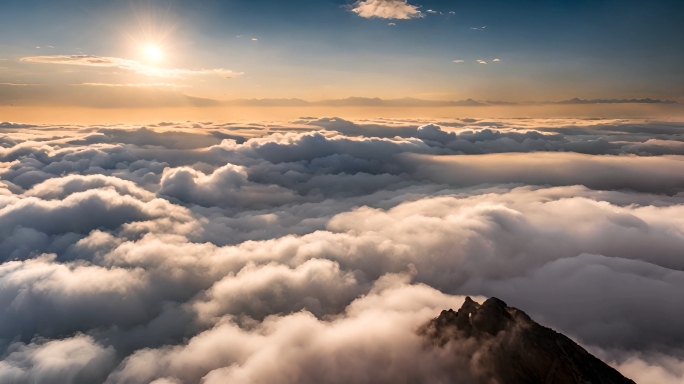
(504, 345)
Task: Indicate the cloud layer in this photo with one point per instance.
(311, 251)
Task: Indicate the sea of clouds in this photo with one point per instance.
(311, 251)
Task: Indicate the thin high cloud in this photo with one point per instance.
(18, 84)
(311, 251)
(386, 9)
(126, 64)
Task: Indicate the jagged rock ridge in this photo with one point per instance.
(504, 345)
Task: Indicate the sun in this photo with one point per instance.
(154, 53)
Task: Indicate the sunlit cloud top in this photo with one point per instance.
(387, 9)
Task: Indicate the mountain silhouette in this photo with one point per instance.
(503, 345)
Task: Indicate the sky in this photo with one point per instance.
(107, 53)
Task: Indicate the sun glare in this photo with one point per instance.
(154, 53)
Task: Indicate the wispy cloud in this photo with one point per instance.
(254, 39)
(431, 11)
(18, 85)
(478, 28)
(392, 24)
(482, 62)
(497, 60)
(126, 64)
(459, 61)
(386, 9)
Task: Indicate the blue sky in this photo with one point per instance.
(317, 49)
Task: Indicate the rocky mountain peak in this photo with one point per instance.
(503, 345)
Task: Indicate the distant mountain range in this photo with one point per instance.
(413, 102)
(137, 96)
(495, 343)
(616, 101)
(355, 102)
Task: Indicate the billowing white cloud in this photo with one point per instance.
(386, 9)
(78, 359)
(228, 185)
(661, 369)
